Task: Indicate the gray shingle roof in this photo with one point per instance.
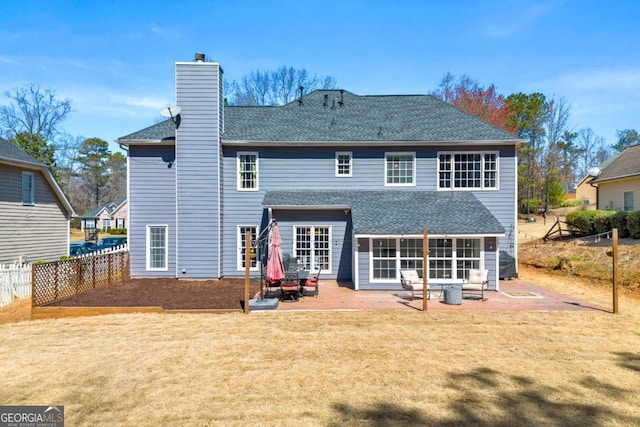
(11, 151)
(109, 207)
(159, 132)
(625, 164)
(396, 211)
(361, 118)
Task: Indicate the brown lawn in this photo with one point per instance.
(365, 368)
(333, 368)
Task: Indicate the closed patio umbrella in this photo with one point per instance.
(275, 269)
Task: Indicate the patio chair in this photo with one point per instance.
(290, 287)
(412, 282)
(311, 283)
(477, 282)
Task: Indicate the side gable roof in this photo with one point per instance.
(626, 164)
(110, 208)
(14, 155)
(95, 213)
(331, 116)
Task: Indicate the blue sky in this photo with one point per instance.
(115, 60)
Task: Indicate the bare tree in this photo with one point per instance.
(67, 149)
(556, 123)
(35, 111)
(276, 87)
(593, 151)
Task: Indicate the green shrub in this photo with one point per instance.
(633, 224)
(571, 203)
(590, 222)
(118, 231)
(602, 223)
(619, 221)
(531, 206)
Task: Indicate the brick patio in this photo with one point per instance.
(513, 295)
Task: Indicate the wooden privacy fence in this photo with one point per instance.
(58, 280)
(15, 283)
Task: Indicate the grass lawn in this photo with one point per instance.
(378, 368)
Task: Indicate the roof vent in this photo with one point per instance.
(301, 88)
(326, 101)
(341, 102)
(199, 57)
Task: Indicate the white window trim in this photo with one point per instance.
(313, 226)
(400, 153)
(238, 175)
(397, 258)
(344, 153)
(239, 265)
(166, 246)
(482, 187)
(32, 193)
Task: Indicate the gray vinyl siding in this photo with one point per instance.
(282, 168)
(198, 169)
(38, 232)
(152, 201)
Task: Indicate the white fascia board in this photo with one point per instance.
(419, 236)
(147, 142)
(306, 207)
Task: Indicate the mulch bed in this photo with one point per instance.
(170, 294)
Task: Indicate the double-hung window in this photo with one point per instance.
(628, 200)
(157, 253)
(400, 169)
(242, 246)
(468, 171)
(27, 188)
(247, 171)
(343, 164)
(312, 247)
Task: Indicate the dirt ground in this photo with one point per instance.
(170, 294)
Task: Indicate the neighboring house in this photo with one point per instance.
(34, 212)
(619, 182)
(111, 215)
(585, 191)
(351, 180)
